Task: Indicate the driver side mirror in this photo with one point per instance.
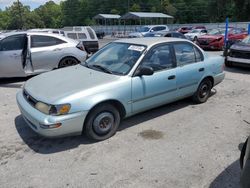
(144, 71)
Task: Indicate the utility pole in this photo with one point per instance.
(20, 15)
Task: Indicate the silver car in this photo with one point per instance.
(122, 79)
(29, 53)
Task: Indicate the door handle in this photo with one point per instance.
(171, 77)
(201, 69)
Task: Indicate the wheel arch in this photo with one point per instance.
(64, 57)
(211, 78)
(116, 103)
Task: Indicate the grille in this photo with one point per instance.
(29, 99)
(203, 42)
(240, 54)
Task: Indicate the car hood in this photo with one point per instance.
(53, 86)
(210, 36)
(241, 47)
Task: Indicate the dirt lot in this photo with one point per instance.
(180, 145)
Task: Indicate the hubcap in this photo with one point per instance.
(204, 90)
(103, 123)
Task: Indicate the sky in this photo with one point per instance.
(32, 3)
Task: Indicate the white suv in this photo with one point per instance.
(142, 31)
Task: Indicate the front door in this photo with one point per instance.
(159, 88)
(12, 55)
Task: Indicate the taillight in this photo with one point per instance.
(80, 46)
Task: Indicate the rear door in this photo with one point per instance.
(13, 55)
(190, 68)
(46, 52)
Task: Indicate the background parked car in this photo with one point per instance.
(54, 31)
(84, 34)
(100, 34)
(215, 38)
(28, 53)
(166, 34)
(195, 33)
(142, 31)
(184, 30)
(239, 53)
(245, 164)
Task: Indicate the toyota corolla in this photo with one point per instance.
(122, 79)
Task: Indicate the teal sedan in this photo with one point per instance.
(122, 79)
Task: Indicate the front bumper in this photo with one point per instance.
(219, 78)
(71, 124)
(236, 60)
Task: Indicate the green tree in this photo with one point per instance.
(4, 20)
(50, 14)
(135, 8)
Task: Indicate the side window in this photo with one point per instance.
(168, 35)
(10, 43)
(91, 34)
(72, 36)
(177, 35)
(44, 41)
(159, 58)
(159, 28)
(198, 55)
(184, 53)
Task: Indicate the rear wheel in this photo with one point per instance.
(68, 61)
(102, 122)
(203, 91)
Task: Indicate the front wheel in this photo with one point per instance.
(102, 122)
(203, 91)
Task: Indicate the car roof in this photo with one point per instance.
(150, 41)
(40, 33)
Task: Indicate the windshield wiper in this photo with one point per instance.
(104, 69)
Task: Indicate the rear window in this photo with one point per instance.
(44, 41)
(91, 34)
(82, 36)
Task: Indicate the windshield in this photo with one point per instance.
(216, 32)
(246, 40)
(115, 58)
(195, 31)
(143, 29)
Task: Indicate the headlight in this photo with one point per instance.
(54, 110)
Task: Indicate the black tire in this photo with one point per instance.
(68, 61)
(242, 154)
(228, 63)
(203, 92)
(102, 122)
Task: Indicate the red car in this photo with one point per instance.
(186, 29)
(214, 40)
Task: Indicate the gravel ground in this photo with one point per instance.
(179, 145)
